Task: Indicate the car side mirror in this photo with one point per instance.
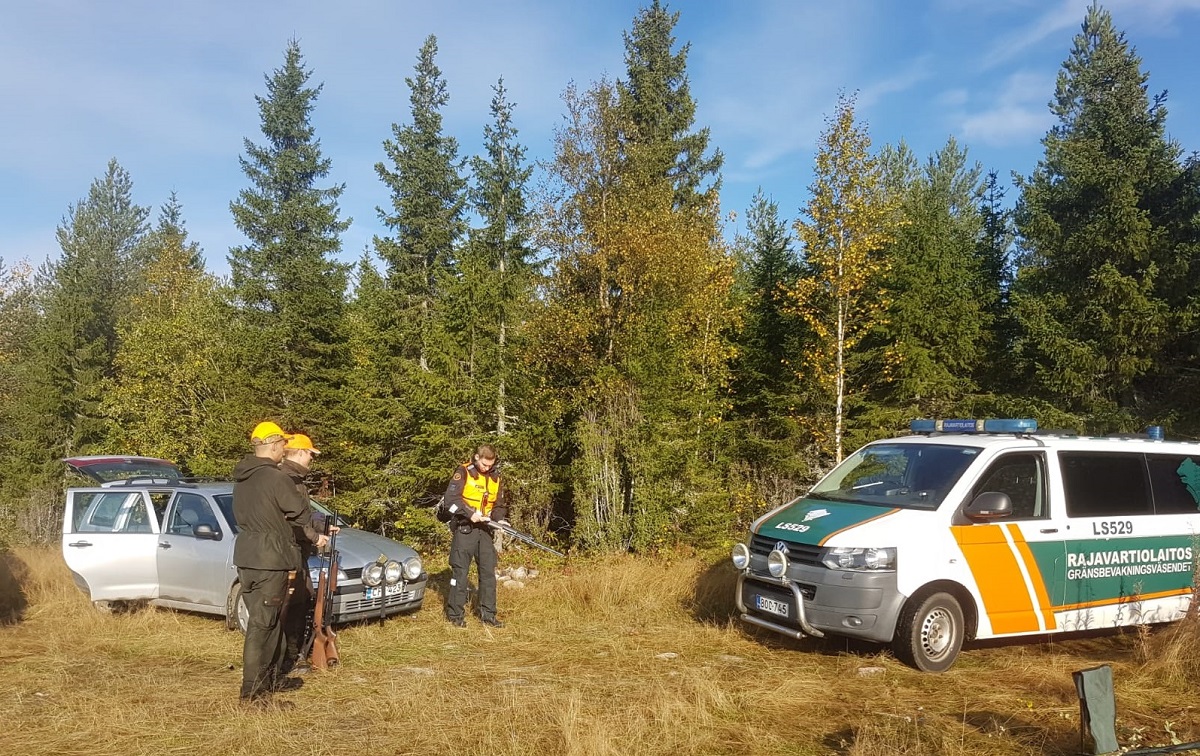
(206, 533)
(989, 505)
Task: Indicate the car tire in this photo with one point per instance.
(930, 632)
(236, 614)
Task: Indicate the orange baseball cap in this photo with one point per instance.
(301, 441)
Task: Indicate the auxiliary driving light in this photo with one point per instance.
(372, 574)
(740, 556)
(777, 563)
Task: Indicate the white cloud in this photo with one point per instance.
(1018, 113)
(1155, 17)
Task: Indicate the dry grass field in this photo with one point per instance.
(600, 656)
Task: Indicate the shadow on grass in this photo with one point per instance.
(713, 601)
(13, 601)
(920, 734)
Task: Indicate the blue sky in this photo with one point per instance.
(168, 88)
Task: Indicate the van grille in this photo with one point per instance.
(799, 553)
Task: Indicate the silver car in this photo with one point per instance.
(143, 533)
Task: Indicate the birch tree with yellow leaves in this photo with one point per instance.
(848, 222)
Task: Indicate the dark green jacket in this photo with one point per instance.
(303, 527)
(265, 503)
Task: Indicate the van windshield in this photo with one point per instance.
(910, 476)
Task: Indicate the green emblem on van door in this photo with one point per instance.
(1189, 474)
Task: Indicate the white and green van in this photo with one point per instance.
(979, 529)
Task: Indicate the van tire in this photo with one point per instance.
(235, 610)
(930, 632)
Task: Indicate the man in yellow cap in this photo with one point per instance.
(264, 503)
(297, 458)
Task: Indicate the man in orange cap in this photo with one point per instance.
(297, 457)
(264, 502)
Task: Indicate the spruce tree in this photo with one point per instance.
(1092, 250)
(498, 267)
(658, 112)
(765, 386)
(287, 287)
(86, 292)
(427, 217)
(926, 349)
(426, 222)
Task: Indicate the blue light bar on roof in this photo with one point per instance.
(992, 425)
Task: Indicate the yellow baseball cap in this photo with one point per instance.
(301, 441)
(267, 432)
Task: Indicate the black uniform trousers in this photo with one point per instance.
(471, 542)
(264, 592)
(296, 620)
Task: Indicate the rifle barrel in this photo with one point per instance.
(524, 537)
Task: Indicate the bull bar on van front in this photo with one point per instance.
(777, 560)
(805, 628)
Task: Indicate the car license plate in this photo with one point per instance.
(377, 591)
(771, 605)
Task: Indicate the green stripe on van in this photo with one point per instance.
(1101, 570)
(811, 521)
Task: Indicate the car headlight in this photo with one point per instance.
(860, 560)
(740, 556)
(412, 568)
(372, 574)
(777, 563)
(392, 572)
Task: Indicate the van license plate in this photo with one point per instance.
(771, 605)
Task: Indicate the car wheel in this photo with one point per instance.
(930, 633)
(237, 616)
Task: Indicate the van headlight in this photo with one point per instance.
(740, 556)
(860, 560)
(777, 563)
(412, 568)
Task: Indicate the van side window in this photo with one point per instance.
(1022, 477)
(1103, 485)
(1176, 483)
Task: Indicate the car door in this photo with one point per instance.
(1018, 562)
(109, 541)
(194, 571)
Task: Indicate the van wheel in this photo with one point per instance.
(237, 616)
(930, 633)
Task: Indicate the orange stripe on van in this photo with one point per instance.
(994, 565)
(1035, 576)
(856, 524)
(1126, 599)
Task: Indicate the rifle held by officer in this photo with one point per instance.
(512, 532)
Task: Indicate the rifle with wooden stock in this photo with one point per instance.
(322, 639)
